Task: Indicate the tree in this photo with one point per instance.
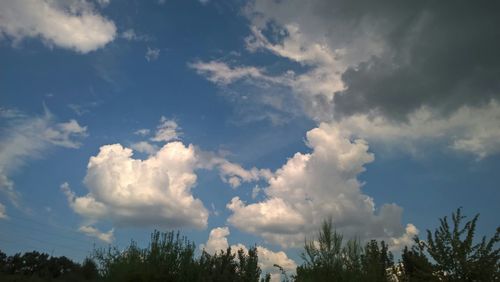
(456, 255)
(375, 261)
(416, 265)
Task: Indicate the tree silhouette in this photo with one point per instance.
(456, 255)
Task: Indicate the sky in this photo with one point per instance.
(244, 123)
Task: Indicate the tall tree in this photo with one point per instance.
(458, 257)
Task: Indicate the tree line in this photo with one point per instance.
(449, 253)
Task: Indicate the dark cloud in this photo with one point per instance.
(443, 54)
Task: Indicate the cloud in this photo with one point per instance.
(166, 131)
(3, 213)
(145, 147)
(387, 61)
(133, 192)
(152, 54)
(25, 138)
(222, 74)
(470, 129)
(387, 56)
(71, 25)
(231, 173)
(312, 187)
(406, 239)
(217, 241)
(91, 231)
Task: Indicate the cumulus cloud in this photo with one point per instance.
(386, 56)
(134, 192)
(74, 25)
(25, 138)
(406, 239)
(469, 129)
(217, 241)
(91, 231)
(311, 187)
(387, 61)
(152, 54)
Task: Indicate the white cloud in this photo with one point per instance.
(231, 173)
(155, 191)
(406, 239)
(3, 213)
(28, 138)
(312, 187)
(474, 130)
(71, 25)
(144, 147)
(217, 241)
(152, 54)
(222, 74)
(91, 231)
(166, 131)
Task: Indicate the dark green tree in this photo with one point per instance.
(376, 261)
(457, 256)
(416, 265)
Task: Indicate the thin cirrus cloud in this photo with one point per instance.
(74, 25)
(382, 69)
(26, 138)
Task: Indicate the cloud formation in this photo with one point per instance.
(26, 138)
(386, 61)
(133, 192)
(312, 187)
(471, 129)
(74, 25)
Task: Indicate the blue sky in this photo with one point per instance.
(243, 122)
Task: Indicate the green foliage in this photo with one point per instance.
(416, 265)
(328, 259)
(449, 254)
(228, 266)
(456, 256)
(169, 257)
